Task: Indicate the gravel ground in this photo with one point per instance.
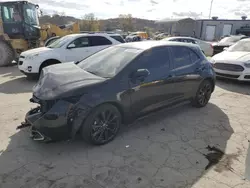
(168, 149)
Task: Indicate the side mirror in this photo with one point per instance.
(225, 48)
(71, 46)
(140, 74)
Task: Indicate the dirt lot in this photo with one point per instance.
(167, 149)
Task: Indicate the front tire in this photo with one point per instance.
(7, 54)
(203, 94)
(102, 125)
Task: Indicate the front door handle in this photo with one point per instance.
(171, 76)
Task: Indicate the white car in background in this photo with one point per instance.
(233, 62)
(206, 47)
(74, 47)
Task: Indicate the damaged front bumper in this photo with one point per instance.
(53, 123)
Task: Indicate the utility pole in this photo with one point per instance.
(211, 5)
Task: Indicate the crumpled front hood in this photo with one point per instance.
(36, 51)
(232, 56)
(61, 78)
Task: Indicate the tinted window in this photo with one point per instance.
(194, 56)
(183, 56)
(118, 38)
(81, 42)
(191, 41)
(99, 41)
(8, 12)
(154, 58)
(60, 42)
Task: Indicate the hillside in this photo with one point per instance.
(108, 24)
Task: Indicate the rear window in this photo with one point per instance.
(118, 38)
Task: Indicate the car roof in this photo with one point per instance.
(113, 34)
(179, 37)
(87, 34)
(144, 45)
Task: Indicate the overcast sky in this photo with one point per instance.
(149, 9)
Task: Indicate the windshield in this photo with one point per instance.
(230, 39)
(108, 62)
(30, 14)
(241, 46)
(60, 42)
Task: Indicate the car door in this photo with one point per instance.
(156, 89)
(97, 43)
(78, 49)
(186, 71)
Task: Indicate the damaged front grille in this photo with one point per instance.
(45, 105)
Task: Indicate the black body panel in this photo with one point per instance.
(67, 94)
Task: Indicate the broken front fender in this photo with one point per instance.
(55, 123)
(60, 121)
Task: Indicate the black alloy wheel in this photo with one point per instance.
(102, 125)
(203, 94)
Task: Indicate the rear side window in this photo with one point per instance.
(118, 38)
(99, 41)
(183, 56)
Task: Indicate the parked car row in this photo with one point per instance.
(206, 47)
(234, 61)
(113, 86)
(226, 42)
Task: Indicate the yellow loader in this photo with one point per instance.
(20, 30)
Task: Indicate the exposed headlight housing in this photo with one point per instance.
(247, 64)
(212, 61)
(32, 56)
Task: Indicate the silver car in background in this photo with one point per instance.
(206, 47)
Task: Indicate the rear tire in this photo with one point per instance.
(102, 125)
(7, 54)
(203, 94)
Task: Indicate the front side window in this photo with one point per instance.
(154, 59)
(81, 42)
(182, 56)
(30, 14)
(99, 41)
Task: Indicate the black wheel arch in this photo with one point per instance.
(48, 62)
(79, 122)
(212, 81)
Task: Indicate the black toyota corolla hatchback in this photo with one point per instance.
(114, 86)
